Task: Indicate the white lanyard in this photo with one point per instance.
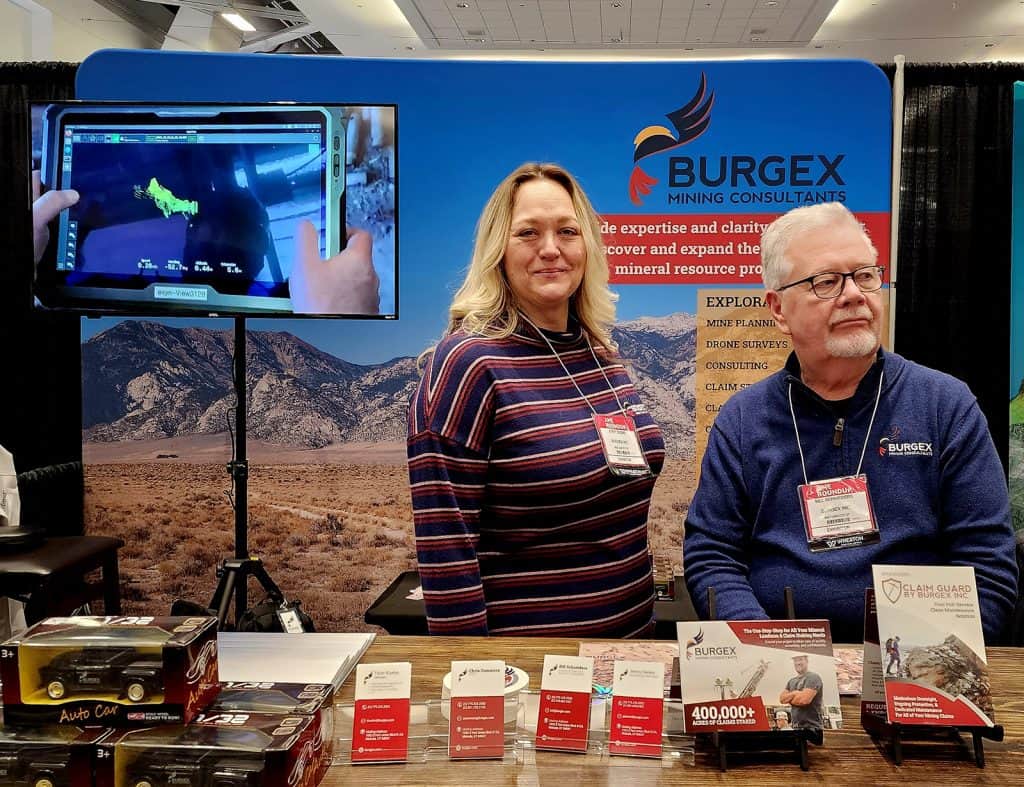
(569, 374)
(867, 437)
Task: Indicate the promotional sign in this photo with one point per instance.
(872, 693)
(637, 705)
(692, 164)
(380, 725)
(563, 720)
(758, 675)
(476, 722)
(936, 672)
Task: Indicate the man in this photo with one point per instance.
(803, 693)
(776, 505)
(782, 720)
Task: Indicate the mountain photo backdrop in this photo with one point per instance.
(329, 509)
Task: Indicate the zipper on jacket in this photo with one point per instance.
(837, 434)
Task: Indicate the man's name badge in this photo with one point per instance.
(837, 513)
(638, 691)
(476, 720)
(621, 445)
(563, 720)
(380, 724)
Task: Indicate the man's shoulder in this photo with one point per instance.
(903, 371)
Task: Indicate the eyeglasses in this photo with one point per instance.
(830, 284)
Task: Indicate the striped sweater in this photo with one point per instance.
(520, 527)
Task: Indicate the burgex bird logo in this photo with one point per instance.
(690, 122)
(883, 444)
(694, 641)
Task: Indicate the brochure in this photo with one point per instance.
(932, 646)
(872, 697)
(758, 675)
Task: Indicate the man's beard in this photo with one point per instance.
(853, 344)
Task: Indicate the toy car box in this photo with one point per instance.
(279, 699)
(48, 756)
(111, 671)
(222, 749)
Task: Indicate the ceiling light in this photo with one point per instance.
(462, 5)
(989, 45)
(238, 22)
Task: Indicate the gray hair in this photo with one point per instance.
(780, 233)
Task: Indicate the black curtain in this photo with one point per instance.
(953, 282)
(40, 420)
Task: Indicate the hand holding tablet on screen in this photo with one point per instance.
(45, 208)
(343, 284)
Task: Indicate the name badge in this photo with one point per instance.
(621, 445)
(838, 514)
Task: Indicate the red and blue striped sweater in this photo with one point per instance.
(521, 529)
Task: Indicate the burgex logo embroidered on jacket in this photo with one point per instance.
(892, 445)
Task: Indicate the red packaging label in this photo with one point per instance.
(744, 714)
(563, 720)
(636, 726)
(476, 727)
(380, 730)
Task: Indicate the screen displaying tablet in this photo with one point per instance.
(216, 209)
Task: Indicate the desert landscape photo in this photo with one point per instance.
(328, 501)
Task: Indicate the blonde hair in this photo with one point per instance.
(485, 304)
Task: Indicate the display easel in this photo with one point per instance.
(896, 734)
(774, 742)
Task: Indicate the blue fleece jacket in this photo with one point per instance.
(941, 502)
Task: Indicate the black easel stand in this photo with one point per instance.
(776, 741)
(896, 733)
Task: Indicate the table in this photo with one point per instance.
(849, 756)
(397, 614)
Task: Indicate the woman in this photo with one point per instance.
(531, 458)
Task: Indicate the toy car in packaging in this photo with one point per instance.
(48, 756)
(113, 671)
(217, 749)
(280, 699)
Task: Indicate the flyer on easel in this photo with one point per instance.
(758, 675)
(929, 622)
(872, 692)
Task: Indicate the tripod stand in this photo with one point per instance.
(233, 574)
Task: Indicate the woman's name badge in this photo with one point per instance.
(621, 445)
(838, 513)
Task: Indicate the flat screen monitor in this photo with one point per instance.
(202, 209)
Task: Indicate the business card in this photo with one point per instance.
(563, 719)
(637, 708)
(380, 726)
(476, 721)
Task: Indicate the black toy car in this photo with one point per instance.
(38, 766)
(121, 670)
(194, 768)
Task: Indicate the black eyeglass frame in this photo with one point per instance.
(842, 286)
